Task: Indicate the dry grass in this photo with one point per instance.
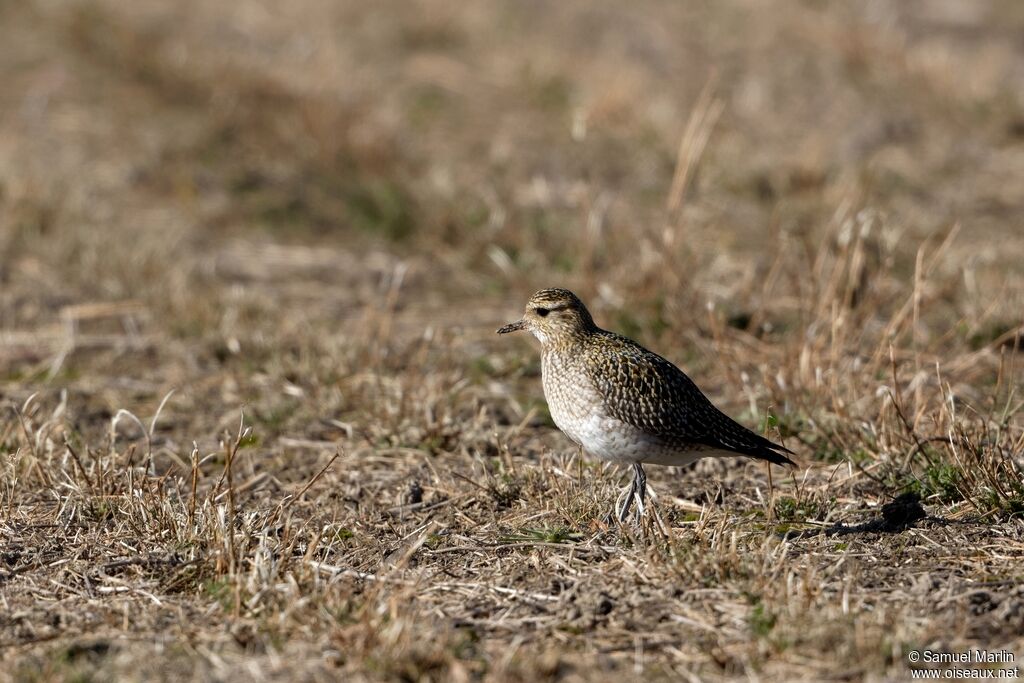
(306, 222)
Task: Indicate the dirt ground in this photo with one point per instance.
(256, 423)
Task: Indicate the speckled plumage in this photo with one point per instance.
(623, 403)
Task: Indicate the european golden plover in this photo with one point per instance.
(622, 403)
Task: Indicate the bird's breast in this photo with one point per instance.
(577, 408)
(571, 399)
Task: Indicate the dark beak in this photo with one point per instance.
(513, 327)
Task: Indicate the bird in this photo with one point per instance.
(624, 404)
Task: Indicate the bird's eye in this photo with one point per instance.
(543, 312)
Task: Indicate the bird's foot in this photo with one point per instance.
(625, 509)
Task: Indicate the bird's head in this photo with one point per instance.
(554, 316)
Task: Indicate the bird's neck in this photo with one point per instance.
(566, 342)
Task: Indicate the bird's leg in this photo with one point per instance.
(640, 484)
(629, 501)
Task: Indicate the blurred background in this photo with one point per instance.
(182, 182)
(318, 212)
(498, 146)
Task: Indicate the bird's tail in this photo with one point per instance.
(773, 456)
(751, 444)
